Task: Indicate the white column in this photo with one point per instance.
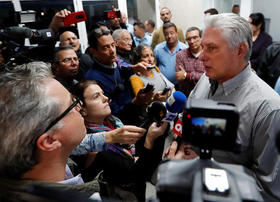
(123, 6)
(78, 6)
(157, 10)
(246, 8)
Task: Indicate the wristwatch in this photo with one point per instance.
(185, 75)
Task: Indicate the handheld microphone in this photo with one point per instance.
(174, 104)
(156, 111)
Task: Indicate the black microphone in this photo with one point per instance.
(19, 32)
(156, 112)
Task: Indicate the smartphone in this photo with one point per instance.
(165, 91)
(148, 88)
(112, 14)
(75, 17)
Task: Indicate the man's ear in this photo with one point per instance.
(242, 49)
(47, 142)
(92, 51)
(83, 111)
(55, 67)
(116, 43)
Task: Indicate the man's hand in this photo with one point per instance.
(140, 67)
(182, 74)
(57, 20)
(124, 135)
(162, 98)
(153, 133)
(184, 152)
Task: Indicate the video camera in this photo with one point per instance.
(13, 38)
(207, 125)
(210, 125)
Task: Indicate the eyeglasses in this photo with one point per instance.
(69, 60)
(190, 38)
(76, 102)
(127, 40)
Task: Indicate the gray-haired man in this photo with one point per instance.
(227, 44)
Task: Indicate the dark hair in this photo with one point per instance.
(212, 11)
(79, 89)
(95, 35)
(61, 48)
(257, 19)
(140, 25)
(137, 52)
(168, 25)
(151, 22)
(194, 28)
(98, 24)
(235, 5)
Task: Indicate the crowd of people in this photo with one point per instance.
(76, 123)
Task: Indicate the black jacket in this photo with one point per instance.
(269, 65)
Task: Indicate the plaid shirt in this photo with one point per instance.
(191, 65)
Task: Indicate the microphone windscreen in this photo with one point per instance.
(20, 32)
(156, 111)
(176, 102)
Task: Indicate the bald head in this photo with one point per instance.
(69, 38)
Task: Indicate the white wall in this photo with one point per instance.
(146, 10)
(186, 13)
(270, 9)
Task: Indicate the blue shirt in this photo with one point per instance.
(146, 40)
(166, 60)
(277, 86)
(129, 28)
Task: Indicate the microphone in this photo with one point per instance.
(19, 32)
(174, 104)
(156, 111)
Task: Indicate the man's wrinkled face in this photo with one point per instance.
(68, 64)
(69, 38)
(73, 129)
(125, 43)
(219, 60)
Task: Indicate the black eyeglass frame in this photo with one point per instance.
(74, 104)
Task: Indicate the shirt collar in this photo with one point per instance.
(178, 47)
(233, 83)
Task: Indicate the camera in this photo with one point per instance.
(112, 14)
(208, 125)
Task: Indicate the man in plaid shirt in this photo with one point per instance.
(188, 67)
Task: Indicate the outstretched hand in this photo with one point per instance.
(153, 133)
(124, 135)
(57, 20)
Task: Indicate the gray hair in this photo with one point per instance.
(235, 30)
(25, 113)
(117, 34)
